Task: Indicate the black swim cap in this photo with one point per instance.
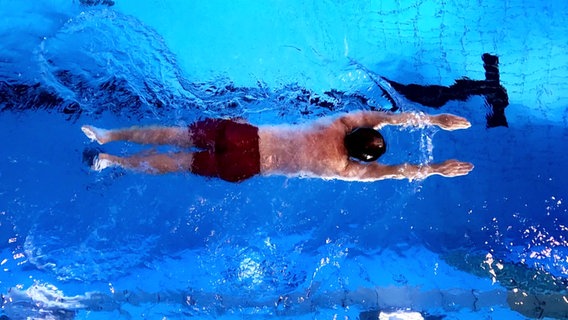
(365, 144)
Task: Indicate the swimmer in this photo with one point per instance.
(344, 148)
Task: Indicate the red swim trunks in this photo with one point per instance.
(231, 149)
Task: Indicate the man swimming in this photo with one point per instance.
(344, 148)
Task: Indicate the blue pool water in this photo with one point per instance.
(77, 244)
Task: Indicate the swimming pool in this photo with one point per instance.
(77, 244)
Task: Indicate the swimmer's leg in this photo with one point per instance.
(155, 164)
(178, 136)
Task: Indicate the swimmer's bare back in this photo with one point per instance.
(310, 150)
(318, 150)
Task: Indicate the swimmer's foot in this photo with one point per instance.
(100, 164)
(97, 160)
(96, 134)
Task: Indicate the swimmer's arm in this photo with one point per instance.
(372, 172)
(378, 120)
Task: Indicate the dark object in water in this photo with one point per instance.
(436, 96)
(89, 155)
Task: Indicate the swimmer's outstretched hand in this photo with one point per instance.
(450, 122)
(452, 168)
